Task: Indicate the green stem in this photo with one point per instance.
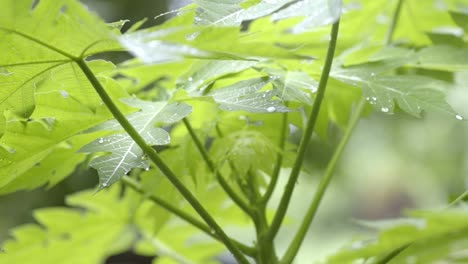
(151, 153)
(323, 185)
(288, 191)
(279, 160)
(136, 186)
(394, 23)
(226, 187)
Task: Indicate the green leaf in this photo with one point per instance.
(73, 236)
(231, 12)
(125, 153)
(35, 40)
(412, 93)
(247, 150)
(443, 57)
(427, 237)
(245, 96)
(293, 85)
(204, 73)
(55, 121)
(315, 13)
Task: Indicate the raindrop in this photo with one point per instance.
(372, 74)
(104, 184)
(374, 98)
(190, 79)
(459, 117)
(101, 140)
(147, 168)
(64, 94)
(368, 98)
(385, 109)
(12, 150)
(271, 109)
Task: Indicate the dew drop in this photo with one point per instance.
(104, 184)
(101, 140)
(459, 117)
(385, 109)
(190, 79)
(12, 150)
(147, 169)
(271, 109)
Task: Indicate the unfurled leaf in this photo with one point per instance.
(51, 129)
(412, 93)
(125, 153)
(315, 13)
(41, 40)
(205, 73)
(443, 58)
(246, 96)
(426, 237)
(71, 236)
(232, 13)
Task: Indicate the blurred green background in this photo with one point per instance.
(393, 163)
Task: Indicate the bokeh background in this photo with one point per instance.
(392, 164)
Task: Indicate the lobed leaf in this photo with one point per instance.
(412, 93)
(245, 96)
(125, 153)
(426, 237)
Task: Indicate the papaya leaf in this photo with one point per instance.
(443, 57)
(204, 73)
(231, 12)
(426, 237)
(125, 153)
(245, 96)
(412, 93)
(35, 39)
(68, 236)
(315, 13)
(293, 85)
(58, 117)
(247, 150)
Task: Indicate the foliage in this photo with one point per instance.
(190, 136)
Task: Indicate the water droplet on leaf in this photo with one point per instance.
(459, 117)
(385, 109)
(271, 109)
(64, 94)
(101, 140)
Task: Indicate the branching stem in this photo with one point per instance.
(151, 153)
